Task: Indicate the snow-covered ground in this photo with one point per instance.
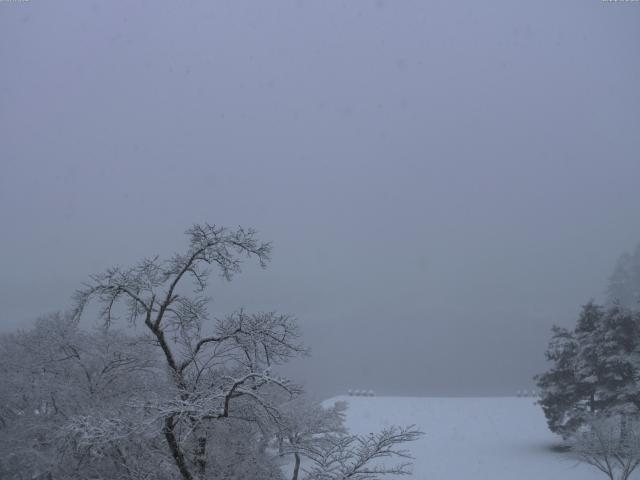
(472, 438)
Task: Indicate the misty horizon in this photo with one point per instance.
(442, 182)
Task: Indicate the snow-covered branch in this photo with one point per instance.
(361, 457)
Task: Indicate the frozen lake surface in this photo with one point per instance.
(472, 438)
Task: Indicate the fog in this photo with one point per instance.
(442, 181)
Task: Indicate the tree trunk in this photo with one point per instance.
(201, 456)
(296, 467)
(176, 453)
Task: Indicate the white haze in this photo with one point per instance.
(442, 181)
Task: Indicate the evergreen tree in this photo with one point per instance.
(559, 397)
(617, 351)
(624, 283)
(595, 368)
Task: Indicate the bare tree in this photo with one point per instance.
(224, 373)
(305, 428)
(361, 457)
(610, 444)
(189, 398)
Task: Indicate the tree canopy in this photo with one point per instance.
(594, 368)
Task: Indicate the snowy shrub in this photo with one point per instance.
(611, 444)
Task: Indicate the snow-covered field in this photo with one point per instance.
(472, 438)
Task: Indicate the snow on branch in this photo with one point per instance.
(140, 287)
(611, 444)
(361, 457)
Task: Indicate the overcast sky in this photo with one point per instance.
(442, 181)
